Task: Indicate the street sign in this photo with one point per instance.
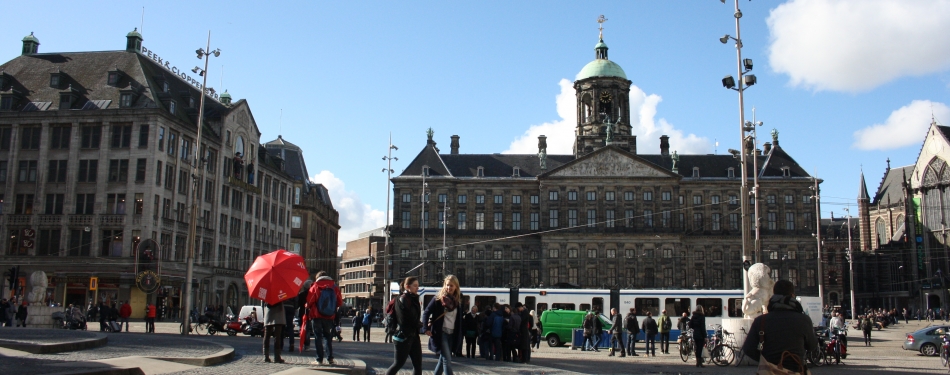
(93, 283)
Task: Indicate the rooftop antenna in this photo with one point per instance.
(142, 23)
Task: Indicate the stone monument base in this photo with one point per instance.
(736, 326)
(40, 316)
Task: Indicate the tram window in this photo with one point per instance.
(711, 306)
(585, 307)
(539, 309)
(425, 300)
(644, 305)
(562, 306)
(598, 303)
(465, 302)
(735, 307)
(677, 306)
(484, 302)
(529, 303)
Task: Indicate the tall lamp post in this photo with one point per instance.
(743, 82)
(193, 225)
(387, 259)
(850, 253)
(817, 235)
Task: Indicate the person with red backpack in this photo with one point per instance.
(322, 302)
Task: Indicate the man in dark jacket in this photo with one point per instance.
(786, 328)
(650, 329)
(633, 329)
(616, 333)
(484, 331)
(524, 340)
(322, 325)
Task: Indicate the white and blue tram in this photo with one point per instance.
(718, 304)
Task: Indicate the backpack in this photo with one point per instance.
(667, 324)
(367, 320)
(326, 302)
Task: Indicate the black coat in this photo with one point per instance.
(432, 319)
(698, 324)
(407, 312)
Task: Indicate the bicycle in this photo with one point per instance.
(686, 345)
(196, 327)
(720, 353)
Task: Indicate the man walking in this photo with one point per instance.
(649, 328)
(322, 302)
(633, 329)
(150, 318)
(665, 326)
(616, 333)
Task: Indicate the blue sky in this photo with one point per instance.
(848, 83)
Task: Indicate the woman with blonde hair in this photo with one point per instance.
(444, 323)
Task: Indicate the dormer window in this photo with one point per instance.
(125, 100)
(172, 106)
(786, 172)
(113, 78)
(165, 87)
(4, 80)
(55, 79)
(425, 170)
(191, 102)
(480, 172)
(516, 172)
(68, 98)
(695, 171)
(8, 102)
(731, 173)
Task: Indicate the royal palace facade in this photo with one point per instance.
(606, 216)
(96, 158)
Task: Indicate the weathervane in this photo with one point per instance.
(601, 20)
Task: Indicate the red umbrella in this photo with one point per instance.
(276, 276)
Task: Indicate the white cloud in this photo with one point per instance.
(648, 130)
(902, 128)
(355, 216)
(857, 45)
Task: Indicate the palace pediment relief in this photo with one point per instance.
(610, 163)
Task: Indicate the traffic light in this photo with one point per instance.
(14, 276)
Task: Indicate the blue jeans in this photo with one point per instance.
(594, 341)
(444, 364)
(323, 330)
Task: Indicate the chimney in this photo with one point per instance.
(542, 143)
(455, 145)
(30, 44)
(766, 148)
(133, 41)
(664, 145)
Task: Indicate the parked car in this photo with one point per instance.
(925, 340)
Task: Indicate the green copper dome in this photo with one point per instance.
(134, 33)
(31, 38)
(601, 68)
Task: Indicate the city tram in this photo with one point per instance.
(717, 304)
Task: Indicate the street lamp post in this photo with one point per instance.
(821, 276)
(854, 308)
(445, 226)
(387, 259)
(743, 82)
(195, 165)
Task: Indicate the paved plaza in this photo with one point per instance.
(166, 352)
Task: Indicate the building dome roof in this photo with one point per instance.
(134, 33)
(601, 68)
(31, 38)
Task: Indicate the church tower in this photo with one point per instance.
(603, 108)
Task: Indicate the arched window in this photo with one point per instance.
(881, 230)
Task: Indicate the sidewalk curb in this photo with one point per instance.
(358, 368)
(226, 354)
(105, 371)
(99, 340)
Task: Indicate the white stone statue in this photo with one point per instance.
(756, 302)
(38, 283)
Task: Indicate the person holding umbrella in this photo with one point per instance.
(273, 278)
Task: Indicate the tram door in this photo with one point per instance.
(615, 300)
(529, 303)
(484, 301)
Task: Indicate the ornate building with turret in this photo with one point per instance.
(609, 215)
(97, 150)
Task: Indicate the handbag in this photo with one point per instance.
(768, 368)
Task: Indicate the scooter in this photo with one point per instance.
(233, 326)
(252, 328)
(837, 336)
